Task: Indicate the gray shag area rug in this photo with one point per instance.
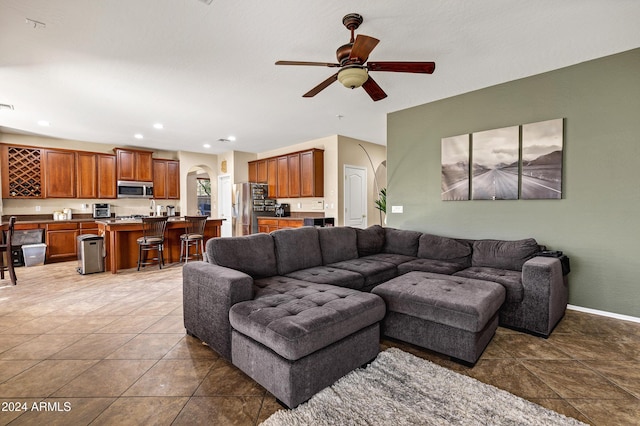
(398, 388)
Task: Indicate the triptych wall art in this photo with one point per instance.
(504, 164)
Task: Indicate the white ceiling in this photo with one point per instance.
(103, 70)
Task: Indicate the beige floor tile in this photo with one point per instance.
(524, 346)
(147, 346)
(44, 378)
(130, 324)
(220, 411)
(108, 378)
(8, 369)
(167, 324)
(42, 346)
(512, 376)
(625, 374)
(226, 380)
(64, 411)
(606, 412)
(173, 377)
(191, 348)
(573, 380)
(15, 408)
(84, 324)
(94, 346)
(148, 411)
(8, 341)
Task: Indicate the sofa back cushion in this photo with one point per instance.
(370, 240)
(399, 241)
(503, 254)
(444, 248)
(254, 255)
(338, 243)
(297, 249)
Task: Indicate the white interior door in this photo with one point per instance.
(355, 196)
(225, 205)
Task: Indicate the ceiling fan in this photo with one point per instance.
(351, 61)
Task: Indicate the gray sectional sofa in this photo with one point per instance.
(299, 308)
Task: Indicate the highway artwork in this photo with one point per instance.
(504, 164)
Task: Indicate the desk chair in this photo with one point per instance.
(5, 247)
(193, 236)
(152, 239)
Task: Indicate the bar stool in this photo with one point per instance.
(152, 239)
(5, 247)
(194, 235)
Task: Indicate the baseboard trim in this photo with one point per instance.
(604, 313)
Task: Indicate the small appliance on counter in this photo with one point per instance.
(101, 211)
(283, 210)
(171, 210)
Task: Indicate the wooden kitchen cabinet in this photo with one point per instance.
(312, 173)
(96, 175)
(267, 225)
(106, 176)
(22, 175)
(272, 177)
(166, 179)
(61, 241)
(258, 171)
(88, 228)
(59, 174)
(293, 165)
(134, 165)
(282, 189)
(87, 172)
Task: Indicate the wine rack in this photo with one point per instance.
(25, 172)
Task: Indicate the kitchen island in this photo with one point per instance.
(122, 249)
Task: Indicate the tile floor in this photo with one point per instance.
(107, 349)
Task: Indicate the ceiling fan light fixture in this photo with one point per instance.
(353, 77)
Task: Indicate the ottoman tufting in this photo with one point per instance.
(452, 315)
(299, 341)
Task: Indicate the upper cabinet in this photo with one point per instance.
(166, 179)
(60, 174)
(107, 181)
(299, 174)
(87, 175)
(134, 165)
(22, 172)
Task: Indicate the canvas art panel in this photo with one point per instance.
(495, 156)
(455, 168)
(542, 145)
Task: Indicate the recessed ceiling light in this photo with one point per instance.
(44, 123)
(206, 145)
(231, 138)
(138, 136)
(158, 126)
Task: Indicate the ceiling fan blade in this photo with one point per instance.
(362, 47)
(372, 88)
(320, 87)
(416, 67)
(319, 64)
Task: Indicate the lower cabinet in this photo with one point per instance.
(273, 224)
(61, 241)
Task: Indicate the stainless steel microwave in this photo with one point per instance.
(132, 189)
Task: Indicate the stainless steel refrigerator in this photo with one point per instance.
(250, 201)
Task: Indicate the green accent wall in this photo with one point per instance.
(597, 223)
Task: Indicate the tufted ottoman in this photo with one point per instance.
(297, 338)
(452, 315)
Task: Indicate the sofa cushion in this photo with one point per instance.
(252, 254)
(510, 280)
(370, 240)
(374, 272)
(503, 254)
(329, 275)
(337, 243)
(430, 265)
(395, 259)
(296, 249)
(302, 320)
(400, 241)
(444, 248)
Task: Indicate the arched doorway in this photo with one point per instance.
(201, 192)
